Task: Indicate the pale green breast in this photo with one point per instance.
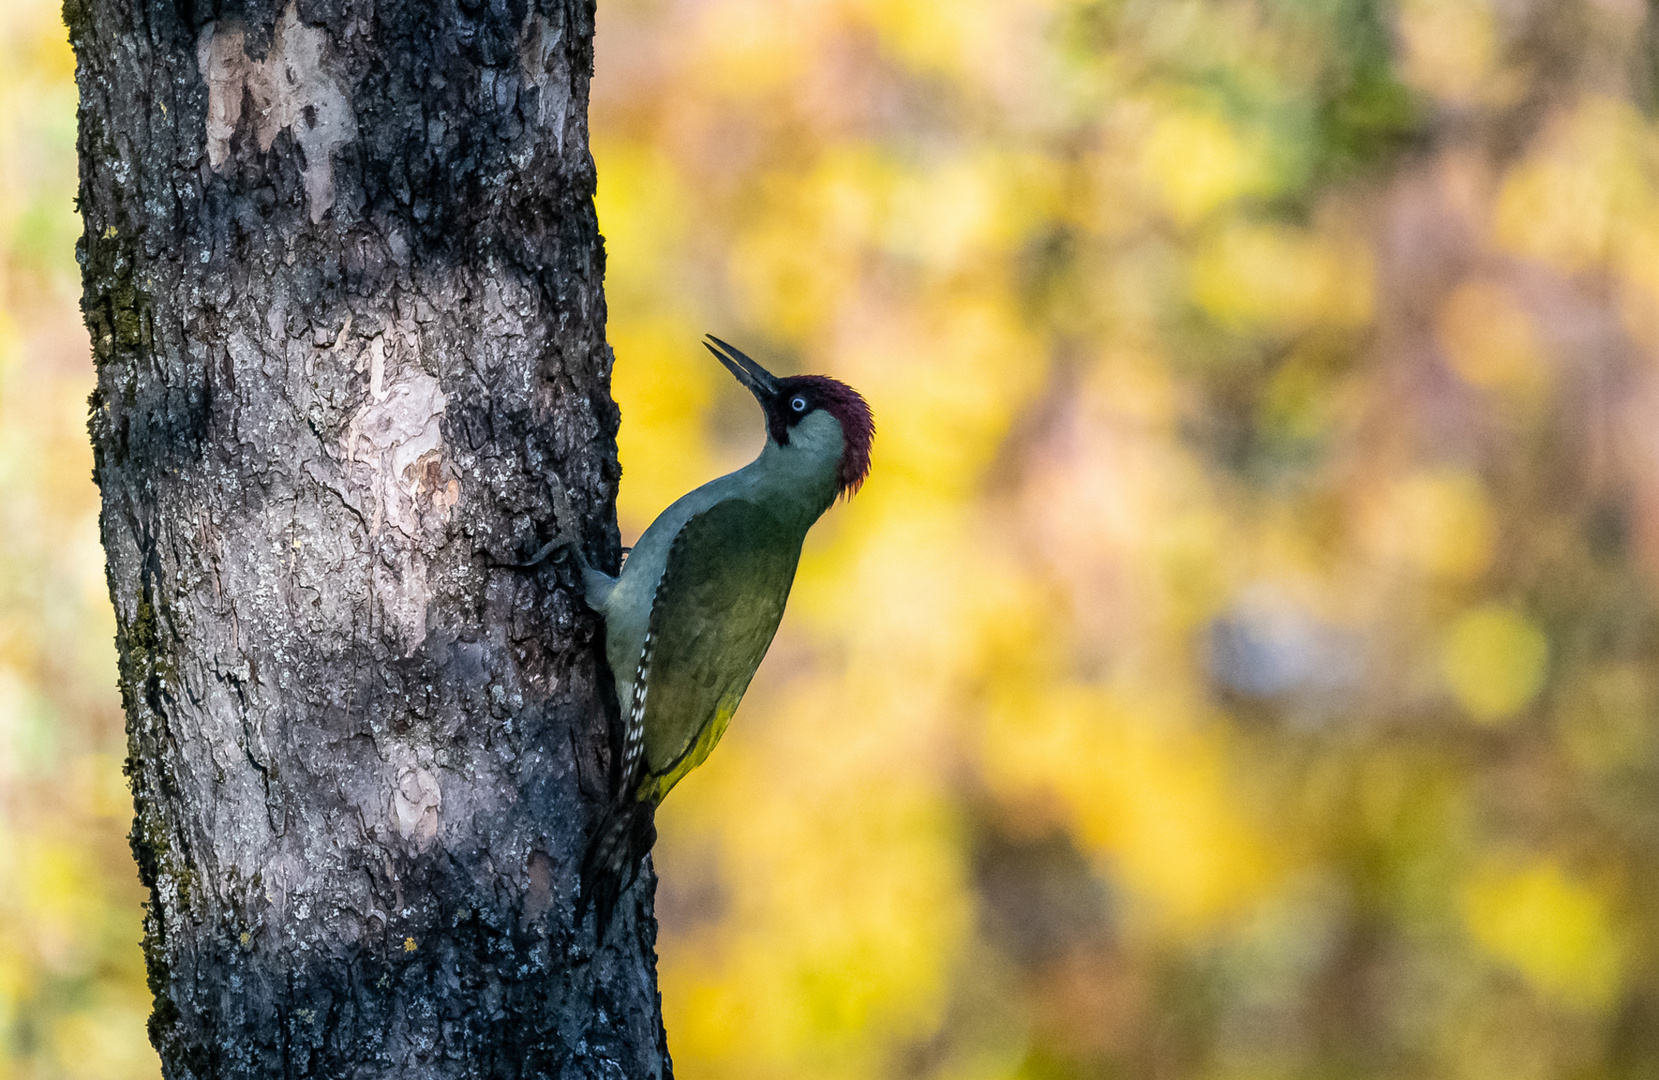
(721, 596)
(795, 483)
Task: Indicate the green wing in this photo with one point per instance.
(717, 606)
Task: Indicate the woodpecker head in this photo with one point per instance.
(786, 402)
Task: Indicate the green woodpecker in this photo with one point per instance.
(701, 594)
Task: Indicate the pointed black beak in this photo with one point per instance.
(759, 381)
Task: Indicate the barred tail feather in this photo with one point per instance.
(619, 845)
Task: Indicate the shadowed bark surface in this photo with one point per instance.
(342, 275)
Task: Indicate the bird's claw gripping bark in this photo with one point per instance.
(566, 538)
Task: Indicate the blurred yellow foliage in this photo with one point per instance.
(1495, 661)
(1452, 50)
(1490, 342)
(674, 391)
(1558, 932)
(1212, 432)
(1436, 522)
(1273, 279)
(1198, 162)
(1589, 187)
(1144, 791)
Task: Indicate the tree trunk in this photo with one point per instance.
(342, 275)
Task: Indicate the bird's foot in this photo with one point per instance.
(566, 539)
(547, 551)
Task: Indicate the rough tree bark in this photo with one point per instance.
(342, 275)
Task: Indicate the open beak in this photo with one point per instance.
(759, 381)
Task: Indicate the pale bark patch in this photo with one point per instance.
(394, 451)
(416, 804)
(546, 68)
(291, 89)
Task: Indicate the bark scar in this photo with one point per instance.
(292, 89)
(394, 448)
(417, 803)
(547, 69)
(398, 432)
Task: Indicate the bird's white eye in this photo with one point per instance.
(798, 403)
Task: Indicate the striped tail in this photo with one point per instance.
(612, 862)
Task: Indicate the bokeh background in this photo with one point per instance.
(1243, 662)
